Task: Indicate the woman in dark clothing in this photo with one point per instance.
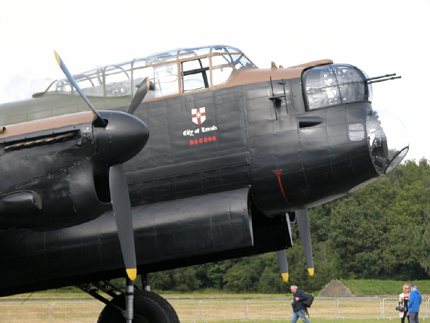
(404, 301)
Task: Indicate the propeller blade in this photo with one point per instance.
(138, 97)
(73, 82)
(124, 222)
(305, 235)
(283, 264)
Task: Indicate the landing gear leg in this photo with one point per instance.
(147, 306)
(145, 282)
(129, 301)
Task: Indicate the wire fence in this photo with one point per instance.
(212, 310)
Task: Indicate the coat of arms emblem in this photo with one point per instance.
(198, 116)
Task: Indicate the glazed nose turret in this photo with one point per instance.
(387, 141)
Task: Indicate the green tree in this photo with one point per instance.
(244, 275)
(271, 281)
(186, 279)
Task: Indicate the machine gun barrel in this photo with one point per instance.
(382, 78)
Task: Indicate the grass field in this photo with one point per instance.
(190, 308)
(371, 287)
(312, 320)
(362, 287)
(66, 306)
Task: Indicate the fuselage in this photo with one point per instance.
(223, 164)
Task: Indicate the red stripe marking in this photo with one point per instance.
(278, 173)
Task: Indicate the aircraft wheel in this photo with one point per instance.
(148, 308)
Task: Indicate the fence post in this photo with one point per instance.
(199, 309)
(427, 307)
(337, 307)
(246, 309)
(51, 312)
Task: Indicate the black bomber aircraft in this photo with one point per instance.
(188, 156)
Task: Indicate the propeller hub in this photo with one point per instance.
(123, 137)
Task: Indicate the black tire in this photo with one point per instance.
(148, 308)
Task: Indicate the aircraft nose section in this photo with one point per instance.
(124, 136)
(387, 141)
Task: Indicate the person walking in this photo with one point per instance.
(414, 304)
(404, 302)
(299, 309)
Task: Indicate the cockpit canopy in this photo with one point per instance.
(169, 73)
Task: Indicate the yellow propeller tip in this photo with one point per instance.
(285, 277)
(311, 271)
(147, 83)
(131, 273)
(57, 57)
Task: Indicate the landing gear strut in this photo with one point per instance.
(148, 307)
(129, 304)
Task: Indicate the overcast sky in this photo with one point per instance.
(378, 36)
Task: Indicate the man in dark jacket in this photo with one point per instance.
(414, 304)
(299, 309)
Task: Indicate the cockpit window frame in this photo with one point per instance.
(174, 57)
(202, 71)
(334, 87)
